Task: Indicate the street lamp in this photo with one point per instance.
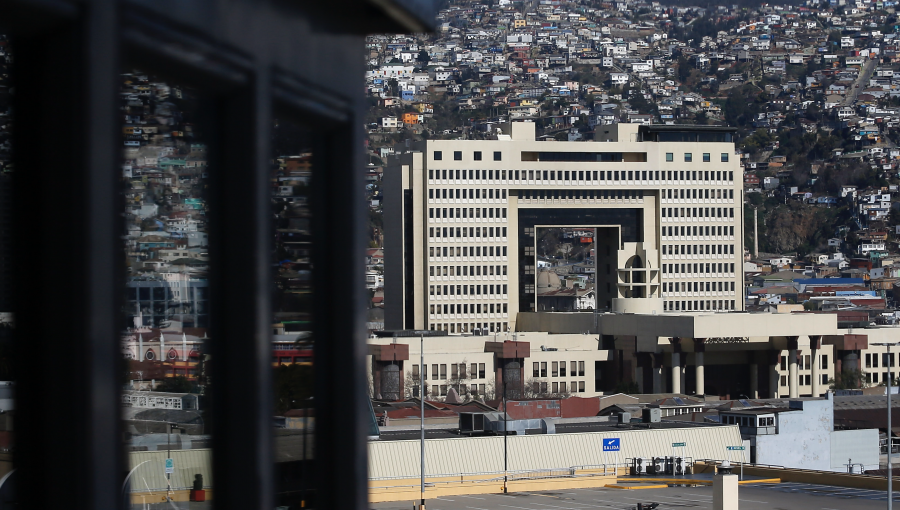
(169, 428)
(422, 418)
(890, 479)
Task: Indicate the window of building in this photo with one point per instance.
(670, 157)
(724, 157)
(477, 156)
(438, 155)
(706, 157)
(497, 155)
(581, 368)
(457, 155)
(543, 369)
(688, 157)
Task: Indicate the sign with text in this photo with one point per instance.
(170, 466)
(612, 444)
(739, 448)
(679, 445)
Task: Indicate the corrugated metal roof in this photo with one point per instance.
(152, 475)
(400, 459)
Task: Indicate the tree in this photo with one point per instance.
(293, 386)
(177, 384)
(847, 380)
(423, 58)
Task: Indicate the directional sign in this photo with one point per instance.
(739, 448)
(679, 445)
(612, 444)
(170, 466)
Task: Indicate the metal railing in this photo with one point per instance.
(495, 476)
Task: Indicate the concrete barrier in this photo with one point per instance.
(807, 476)
(381, 491)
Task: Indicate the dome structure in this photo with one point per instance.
(547, 281)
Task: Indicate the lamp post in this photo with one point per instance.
(169, 428)
(505, 380)
(890, 478)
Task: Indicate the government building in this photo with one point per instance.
(461, 219)
(662, 303)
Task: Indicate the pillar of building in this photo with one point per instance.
(793, 369)
(699, 351)
(657, 372)
(815, 343)
(509, 361)
(774, 360)
(676, 364)
(754, 380)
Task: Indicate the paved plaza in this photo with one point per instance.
(785, 496)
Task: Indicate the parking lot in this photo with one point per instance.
(752, 497)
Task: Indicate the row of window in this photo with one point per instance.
(700, 286)
(686, 249)
(558, 369)
(697, 305)
(805, 362)
(582, 175)
(469, 327)
(466, 251)
(803, 380)
(466, 232)
(469, 308)
(873, 377)
(670, 270)
(689, 157)
(457, 155)
(749, 421)
(698, 194)
(464, 212)
(613, 194)
(468, 290)
(543, 388)
(697, 212)
(713, 249)
(696, 231)
(464, 193)
(467, 271)
(457, 371)
(872, 360)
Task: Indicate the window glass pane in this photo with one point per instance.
(166, 303)
(292, 306)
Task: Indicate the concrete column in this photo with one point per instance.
(793, 374)
(676, 372)
(774, 358)
(699, 351)
(657, 363)
(815, 343)
(701, 382)
(793, 369)
(754, 381)
(676, 364)
(725, 492)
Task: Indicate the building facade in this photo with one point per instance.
(461, 218)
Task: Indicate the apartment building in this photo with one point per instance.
(461, 218)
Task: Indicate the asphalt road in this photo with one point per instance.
(861, 81)
(761, 497)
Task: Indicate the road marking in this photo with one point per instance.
(473, 497)
(443, 499)
(476, 508)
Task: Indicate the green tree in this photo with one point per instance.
(293, 386)
(850, 379)
(423, 58)
(177, 384)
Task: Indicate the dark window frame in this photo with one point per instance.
(245, 76)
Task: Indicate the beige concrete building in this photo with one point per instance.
(461, 219)
(735, 354)
(460, 230)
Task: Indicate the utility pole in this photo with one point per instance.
(422, 418)
(755, 233)
(890, 446)
(505, 379)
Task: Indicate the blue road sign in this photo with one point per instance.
(612, 444)
(170, 466)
